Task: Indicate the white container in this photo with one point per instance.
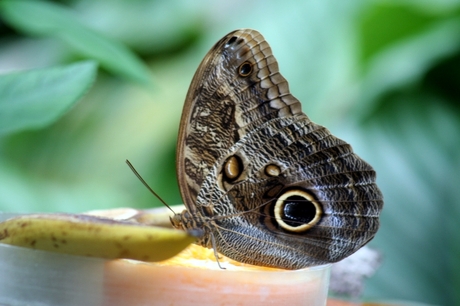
(33, 277)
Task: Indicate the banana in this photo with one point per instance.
(86, 235)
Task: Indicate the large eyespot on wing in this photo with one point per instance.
(296, 211)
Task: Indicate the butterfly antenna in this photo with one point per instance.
(147, 185)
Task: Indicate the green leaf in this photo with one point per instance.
(48, 19)
(34, 99)
(405, 64)
(385, 24)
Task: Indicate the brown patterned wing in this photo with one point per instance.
(267, 185)
(236, 88)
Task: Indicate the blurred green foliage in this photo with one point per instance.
(35, 99)
(383, 75)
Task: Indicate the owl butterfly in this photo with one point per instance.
(264, 184)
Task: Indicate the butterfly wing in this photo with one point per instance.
(276, 188)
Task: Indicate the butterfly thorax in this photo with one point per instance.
(198, 226)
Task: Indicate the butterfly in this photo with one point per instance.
(265, 184)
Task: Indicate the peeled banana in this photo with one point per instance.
(87, 235)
